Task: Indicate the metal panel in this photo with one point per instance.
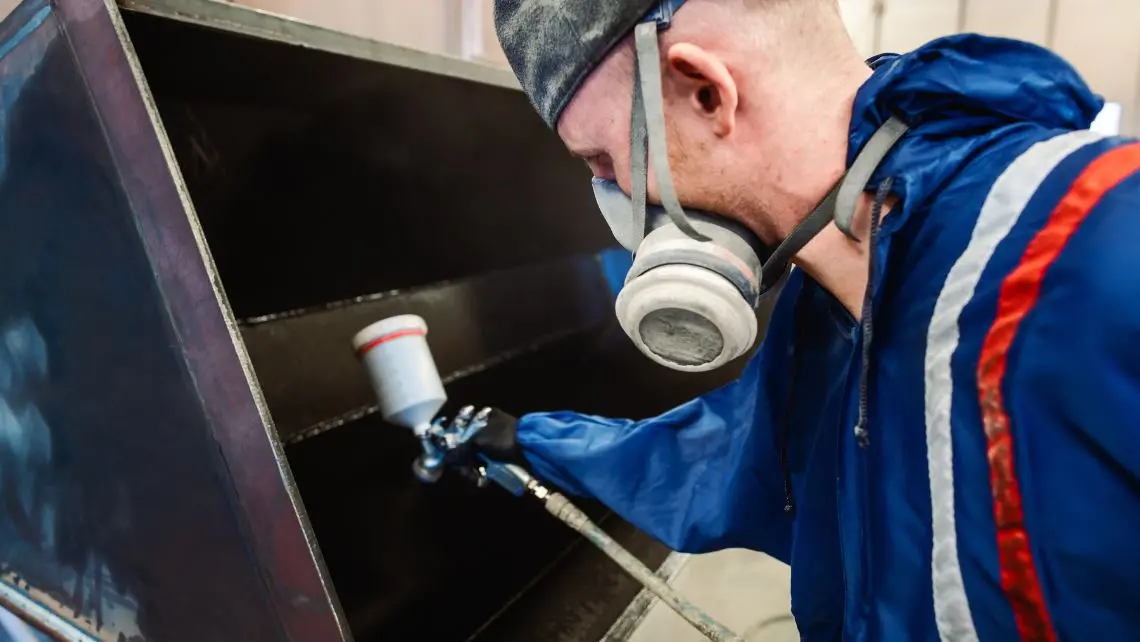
(324, 168)
(324, 177)
(313, 381)
(267, 26)
(142, 495)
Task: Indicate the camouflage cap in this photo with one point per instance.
(553, 45)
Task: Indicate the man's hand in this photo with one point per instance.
(497, 439)
(473, 436)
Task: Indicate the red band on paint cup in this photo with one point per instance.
(389, 337)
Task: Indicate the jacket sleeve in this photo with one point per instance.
(701, 477)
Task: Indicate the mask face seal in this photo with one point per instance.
(690, 298)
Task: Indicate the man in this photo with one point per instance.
(941, 430)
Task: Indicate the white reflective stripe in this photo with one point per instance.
(1007, 199)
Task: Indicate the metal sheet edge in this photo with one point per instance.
(230, 320)
(278, 28)
(42, 617)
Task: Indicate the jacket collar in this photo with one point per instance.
(957, 94)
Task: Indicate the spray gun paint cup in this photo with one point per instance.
(399, 362)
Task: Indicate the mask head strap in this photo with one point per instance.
(840, 203)
(647, 125)
(868, 160)
(648, 145)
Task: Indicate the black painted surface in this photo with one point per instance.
(319, 178)
(303, 162)
(473, 550)
(310, 373)
(316, 178)
(113, 508)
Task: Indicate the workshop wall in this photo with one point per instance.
(463, 28)
(1098, 36)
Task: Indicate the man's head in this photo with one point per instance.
(756, 95)
(731, 114)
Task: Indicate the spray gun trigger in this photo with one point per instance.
(464, 417)
(474, 425)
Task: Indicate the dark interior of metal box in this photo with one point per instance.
(335, 191)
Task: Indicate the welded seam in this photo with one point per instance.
(345, 303)
(361, 412)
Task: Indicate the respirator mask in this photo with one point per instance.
(690, 299)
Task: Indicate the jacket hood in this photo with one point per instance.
(957, 94)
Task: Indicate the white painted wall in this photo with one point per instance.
(907, 24)
(6, 7)
(420, 24)
(1101, 38)
(862, 19)
(1021, 19)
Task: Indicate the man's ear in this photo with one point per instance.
(706, 84)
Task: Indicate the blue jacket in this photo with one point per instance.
(998, 496)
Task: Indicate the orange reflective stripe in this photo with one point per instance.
(1019, 293)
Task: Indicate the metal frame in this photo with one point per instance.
(214, 350)
(278, 28)
(269, 573)
(41, 617)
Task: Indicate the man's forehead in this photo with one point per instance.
(601, 106)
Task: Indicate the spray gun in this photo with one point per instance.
(395, 352)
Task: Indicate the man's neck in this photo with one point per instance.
(832, 259)
(839, 264)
